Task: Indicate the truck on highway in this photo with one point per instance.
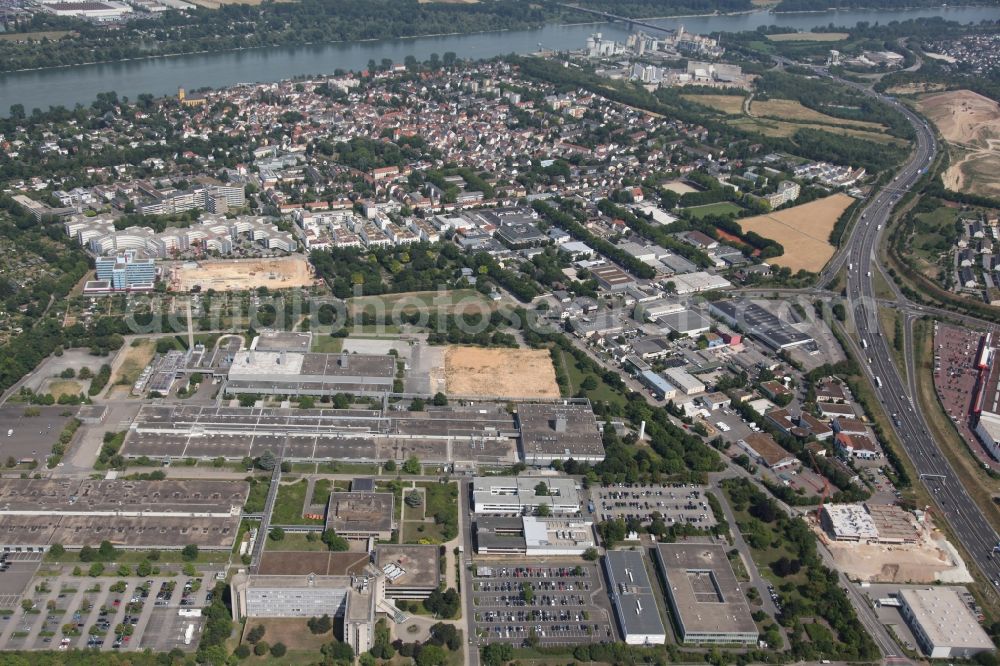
(878, 381)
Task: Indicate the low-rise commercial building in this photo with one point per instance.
(943, 625)
(759, 323)
(765, 451)
(685, 382)
(308, 373)
(660, 387)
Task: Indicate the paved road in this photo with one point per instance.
(860, 253)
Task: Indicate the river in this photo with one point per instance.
(68, 86)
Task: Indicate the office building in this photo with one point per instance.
(704, 595)
(520, 495)
(126, 271)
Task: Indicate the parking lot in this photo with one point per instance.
(105, 613)
(557, 605)
(884, 492)
(677, 503)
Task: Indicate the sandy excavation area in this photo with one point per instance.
(243, 274)
(932, 559)
(500, 373)
(970, 123)
(804, 231)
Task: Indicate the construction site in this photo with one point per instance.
(882, 543)
(242, 274)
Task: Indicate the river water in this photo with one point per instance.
(160, 76)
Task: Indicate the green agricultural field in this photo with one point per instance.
(721, 208)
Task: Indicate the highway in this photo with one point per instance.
(967, 521)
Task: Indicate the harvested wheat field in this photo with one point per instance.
(804, 231)
(970, 123)
(243, 274)
(500, 373)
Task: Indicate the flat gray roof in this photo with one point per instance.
(89, 496)
(418, 562)
(351, 512)
(760, 323)
(632, 592)
(285, 365)
(283, 340)
(484, 433)
(704, 591)
(499, 532)
(138, 532)
(555, 430)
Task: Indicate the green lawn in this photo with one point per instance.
(720, 208)
(325, 344)
(360, 469)
(440, 501)
(414, 532)
(295, 542)
(289, 506)
(321, 491)
(257, 496)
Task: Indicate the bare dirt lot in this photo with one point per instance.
(243, 274)
(930, 560)
(970, 123)
(804, 231)
(505, 373)
(679, 186)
